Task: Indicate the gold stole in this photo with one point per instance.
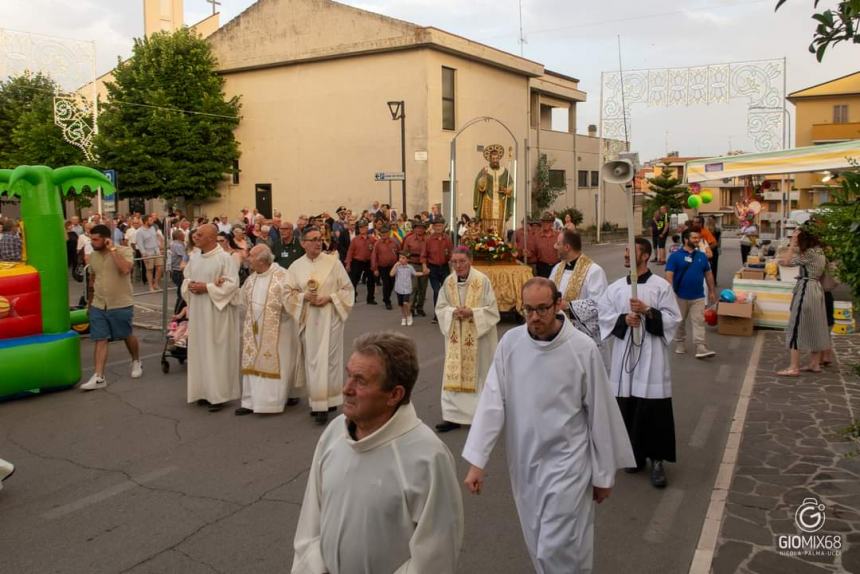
(461, 359)
(263, 359)
(580, 272)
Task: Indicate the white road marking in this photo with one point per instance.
(703, 427)
(106, 493)
(664, 515)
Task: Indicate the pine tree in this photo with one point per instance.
(665, 189)
(167, 127)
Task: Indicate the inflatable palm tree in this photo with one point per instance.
(34, 355)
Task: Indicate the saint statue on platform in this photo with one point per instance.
(494, 192)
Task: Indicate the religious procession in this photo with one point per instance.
(507, 329)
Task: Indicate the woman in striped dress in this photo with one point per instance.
(807, 325)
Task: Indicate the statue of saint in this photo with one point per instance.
(494, 192)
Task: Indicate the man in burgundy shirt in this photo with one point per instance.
(358, 261)
(382, 259)
(436, 255)
(413, 244)
(542, 246)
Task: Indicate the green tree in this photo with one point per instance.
(834, 26)
(167, 127)
(665, 189)
(544, 191)
(838, 225)
(27, 123)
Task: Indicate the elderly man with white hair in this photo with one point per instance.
(270, 344)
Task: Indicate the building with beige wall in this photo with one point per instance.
(824, 113)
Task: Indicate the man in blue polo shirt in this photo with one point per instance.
(688, 270)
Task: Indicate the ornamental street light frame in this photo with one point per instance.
(398, 112)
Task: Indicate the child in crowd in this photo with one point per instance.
(403, 273)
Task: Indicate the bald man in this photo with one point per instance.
(211, 288)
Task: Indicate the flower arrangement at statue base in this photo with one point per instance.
(490, 247)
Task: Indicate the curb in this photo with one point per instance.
(707, 545)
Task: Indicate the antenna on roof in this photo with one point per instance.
(522, 39)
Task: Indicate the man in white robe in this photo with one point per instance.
(320, 297)
(270, 342)
(382, 494)
(467, 314)
(581, 281)
(564, 436)
(211, 288)
(640, 377)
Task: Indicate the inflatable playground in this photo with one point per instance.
(39, 349)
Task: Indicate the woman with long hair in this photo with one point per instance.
(568, 222)
(807, 325)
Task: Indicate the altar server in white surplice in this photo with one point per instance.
(320, 297)
(382, 494)
(581, 282)
(270, 342)
(211, 288)
(564, 437)
(640, 375)
(468, 315)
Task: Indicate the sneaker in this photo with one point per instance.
(658, 474)
(402, 322)
(96, 382)
(136, 370)
(409, 321)
(680, 349)
(702, 352)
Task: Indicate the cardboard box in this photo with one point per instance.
(752, 274)
(843, 310)
(735, 319)
(843, 327)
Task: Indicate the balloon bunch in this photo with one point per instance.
(698, 196)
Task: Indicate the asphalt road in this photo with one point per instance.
(133, 479)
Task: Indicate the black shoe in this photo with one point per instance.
(202, 403)
(321, 418)
(242, 411)
(435, 321)
(421, 313)
(216, 408)
(388, 306)
(658, 475)
(445, 426)
(292, 402)
(372, 302)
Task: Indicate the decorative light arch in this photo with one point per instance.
(69, 63)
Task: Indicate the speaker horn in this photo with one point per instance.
(617, 171)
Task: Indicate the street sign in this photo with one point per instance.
(389, 176)
(108, 200)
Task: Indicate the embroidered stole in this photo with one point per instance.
(580, 272)
(262, 359)
(461, 358)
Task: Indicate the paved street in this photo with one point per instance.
(133, 479)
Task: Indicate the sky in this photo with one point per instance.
(578, 38)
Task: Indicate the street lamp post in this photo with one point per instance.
(398, 112)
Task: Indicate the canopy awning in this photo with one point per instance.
(798, 160)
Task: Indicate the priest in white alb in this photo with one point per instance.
(564, 437)
(467, 314)
(211, 288)
(581, 281)
(320, 297)
(641, 377)
(382, 494)
(270, 342)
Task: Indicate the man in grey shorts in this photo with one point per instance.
(111, 306)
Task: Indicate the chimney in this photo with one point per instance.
(592, 130)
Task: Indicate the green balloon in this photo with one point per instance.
(706, 196)
(694, 201)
